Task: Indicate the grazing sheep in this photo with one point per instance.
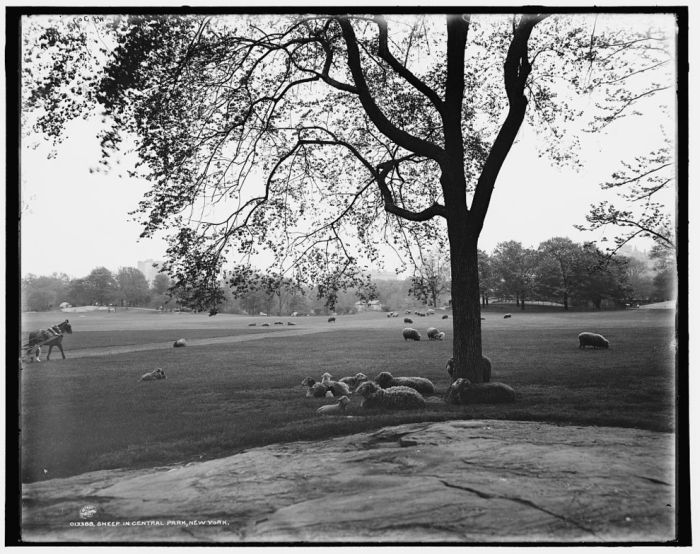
(179, 343)
(407, 320)
(333, 409)
(463, 391)
(393, 398)
(314, 389)
(410, 333)
(440, 336)
(278, 323)
(290, 323)
(331, 320)
(336, 387)
(421, 384)
(433, 333)
(265, 325)
(430, 312)
(252, 324)
(446, 317)
(592, 339)
(354, 382)
(154, 375)
(486, 368)
(507, 316)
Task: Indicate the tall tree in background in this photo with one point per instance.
(100, 286)
(393, 130)
(132, 286)
(515, 269)
(564, 255)
(431, 279)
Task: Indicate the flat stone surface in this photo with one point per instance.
(458, 481)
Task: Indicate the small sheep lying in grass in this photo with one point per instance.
(154, 375)
(336, 387)
(463, 391)
(334, 409)
(354, 382)
(409, 333)
(486, 369)
(179, 343)
(592, 339)
(393, 398)
(265, 324)
(314, 389)
(421, 384)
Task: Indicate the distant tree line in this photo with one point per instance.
(559, 271)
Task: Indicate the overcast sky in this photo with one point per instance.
(87, 212)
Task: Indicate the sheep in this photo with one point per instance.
(409, 333)
(463, 391)
(430, 312)
(154, 375)
(265, 325)
(396, 314)
(592, 339)
(407, 320)
(434, 333)
(278, 323)
(179, 343)
(421, 384)
(446, 316)
(486, 368)
(333, 409)
(314, 389)
(390, 314)
(252, 324)
(290, 323)
(393, 398)
(336, 387)
(408, 312)
(440, 336)
(354, 382)
(507, 316)
(331, 320)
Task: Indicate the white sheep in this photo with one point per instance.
(354, 382)
(410, 333)
(440, 336)
(154, 375)
(179, 343)
(334, 409)
(314, 389)
(336, 387)
(393, 398)
(507, 316)
(463, 391)
(421, 384)
(433, 333)
(592, 339)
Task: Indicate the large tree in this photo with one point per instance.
(132, 286)
(320, 136)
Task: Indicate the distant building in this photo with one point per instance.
(371, 306)
(146, 267)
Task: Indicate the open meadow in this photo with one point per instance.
(90, 411)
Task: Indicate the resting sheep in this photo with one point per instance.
(252, 324)
(290, 323)
(179, 343)
(354, 382)
(336, 387)
(507, 316)
(393, 398)
(421, 384)
(407, 320)
(592, 339)
(409, 333)
(333, 409)
(314, 389)
(154, 375)
(265, 324)
(486, 368)
(463, 391)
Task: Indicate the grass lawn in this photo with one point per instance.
(92, 413)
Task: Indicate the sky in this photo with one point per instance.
(532, 202)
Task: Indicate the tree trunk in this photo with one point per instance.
(566, 302)
(466, 310)
(522, 302)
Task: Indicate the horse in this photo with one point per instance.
(53, 336)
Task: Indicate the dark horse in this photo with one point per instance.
(50, 337)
